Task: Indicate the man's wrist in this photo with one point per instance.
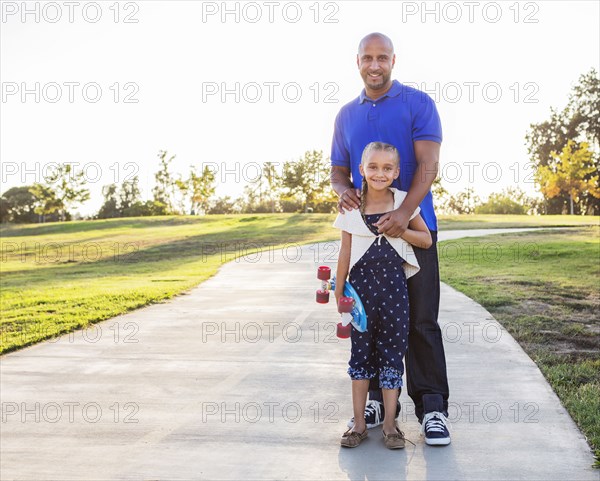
(404, 209)
(345, 190)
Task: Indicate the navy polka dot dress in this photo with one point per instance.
(380, 281)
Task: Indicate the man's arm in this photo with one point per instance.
(342, 185)
(427, 154)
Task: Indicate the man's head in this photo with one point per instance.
(375, 62)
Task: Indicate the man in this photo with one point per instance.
(407, 118)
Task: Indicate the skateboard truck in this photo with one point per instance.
(350, 306)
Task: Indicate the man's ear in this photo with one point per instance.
(357, 61)
(393, 60)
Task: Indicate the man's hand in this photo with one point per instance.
(350, 199)
(393, 223)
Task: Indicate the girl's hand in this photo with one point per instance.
(338, 295)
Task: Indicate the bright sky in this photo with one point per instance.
(235, 84)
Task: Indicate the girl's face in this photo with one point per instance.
(380, 169)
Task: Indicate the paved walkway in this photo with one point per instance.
(243, 378)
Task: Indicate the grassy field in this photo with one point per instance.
(58, 277)
(63, 276)
(454, 222)
(543, 287)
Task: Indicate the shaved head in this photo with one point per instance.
(376, 36)
(375, 61)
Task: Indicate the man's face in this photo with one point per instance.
(375, 61)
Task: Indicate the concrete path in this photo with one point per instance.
(243, 378)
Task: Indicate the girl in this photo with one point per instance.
(379, 266)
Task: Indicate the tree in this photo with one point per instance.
(223, 205)
(579, 121)
(202, 188)
(308, 180)
(46, 202)
(17, 204)
(509, 201)
(144, 209)
(4, 210)
(110, 208)
(69, 188)
(572, 174)
(263, 193)
(462, 203)
(129, 194)
(163, 190)
(183, 186)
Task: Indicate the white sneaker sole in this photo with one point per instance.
(437, 441)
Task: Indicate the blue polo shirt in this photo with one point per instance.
(402, 116)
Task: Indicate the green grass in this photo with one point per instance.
(543, 287)
(453, 222)
(58, 277)
(62, 276)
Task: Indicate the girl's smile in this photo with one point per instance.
(380, 169)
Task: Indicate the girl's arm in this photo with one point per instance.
(417, 233)
(343, 266)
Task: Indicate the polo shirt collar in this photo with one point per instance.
(394, 91)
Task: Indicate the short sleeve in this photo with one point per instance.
(341, 222)
(426, 120)
(415, 213)
(339, 152)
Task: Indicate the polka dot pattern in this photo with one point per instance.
(380, 281)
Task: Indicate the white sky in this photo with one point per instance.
(173, 53)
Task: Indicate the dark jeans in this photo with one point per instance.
(425, 359)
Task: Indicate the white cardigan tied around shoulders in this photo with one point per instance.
(362, 237)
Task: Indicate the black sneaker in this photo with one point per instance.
(435, 428)
(374, 415)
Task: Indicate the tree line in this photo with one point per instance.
(564, 149)
(298, 186)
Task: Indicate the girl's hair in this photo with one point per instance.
(373, 147)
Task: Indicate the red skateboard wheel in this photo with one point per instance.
(346, 304)
(324, 273)
(343, 332)
(322, 296)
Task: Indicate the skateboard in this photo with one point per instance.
(350, 306)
